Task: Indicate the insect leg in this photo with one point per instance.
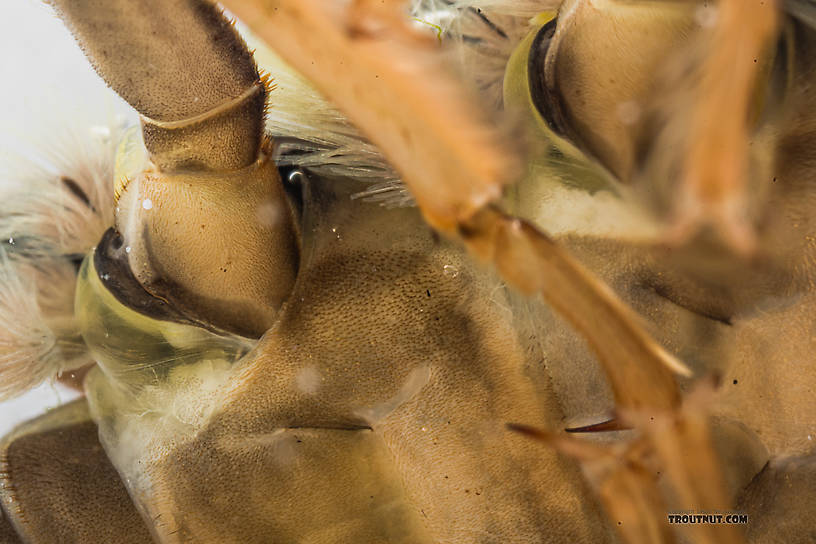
(185, 69)
(205, 222)
(56, 483)
(7, 533)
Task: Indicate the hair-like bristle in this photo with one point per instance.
(57, 203)
(321, 139)
(38, 339)
(318, 135)
(269, 86)
(266, 79)
(483, 35)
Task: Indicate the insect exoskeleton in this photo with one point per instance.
(208, 163)
(218, 245)
(280, 360)
(374, 407)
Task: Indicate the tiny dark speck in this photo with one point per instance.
(428, 292)
(735, 382)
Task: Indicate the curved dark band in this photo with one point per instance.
(546, 99)
(113, 269)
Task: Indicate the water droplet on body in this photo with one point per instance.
(450, 271)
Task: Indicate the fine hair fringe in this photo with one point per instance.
(313, 134)
(57, 205)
